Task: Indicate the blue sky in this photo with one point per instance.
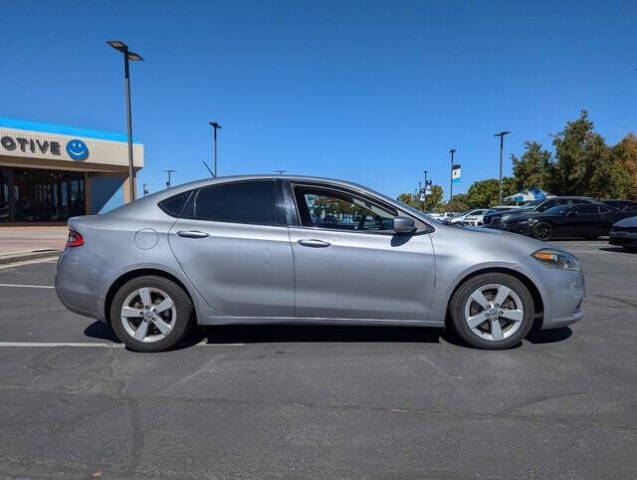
(370, 91)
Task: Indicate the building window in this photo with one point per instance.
(34, 195)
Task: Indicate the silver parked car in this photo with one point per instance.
(293, 249)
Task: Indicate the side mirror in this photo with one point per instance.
(572, 213)
(404, 225)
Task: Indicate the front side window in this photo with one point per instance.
(546, 205)
(251, 202)
(586, 210)
(558, 210)
(332, 209)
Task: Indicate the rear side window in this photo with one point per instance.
(253, 202)
(173, 205)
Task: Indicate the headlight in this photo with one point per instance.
(557, 259)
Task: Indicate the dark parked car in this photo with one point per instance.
(565, 221)
(498, 219)
(624, 234)
(624, 205)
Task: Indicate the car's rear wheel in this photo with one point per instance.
(151, 314)
(492, 311)
(543, 231)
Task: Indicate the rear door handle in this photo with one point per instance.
(313, 243)
(192, 234)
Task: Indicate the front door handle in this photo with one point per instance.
(192, 234)
(314, 243)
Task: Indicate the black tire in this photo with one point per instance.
(543, 231)
(182, 322)
(461, 297)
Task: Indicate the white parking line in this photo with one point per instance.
(96, 344)
(62, 344)
(24, 286)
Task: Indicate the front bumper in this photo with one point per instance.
(623, 239)
(562, 292)
(521, 228)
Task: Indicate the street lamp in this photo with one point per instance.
(501, 135)
(215, 126)
(452, 151)
(134, 57)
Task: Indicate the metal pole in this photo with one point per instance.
(215, 135)
(452, 151)
(129, 120)
(501, 135)
(168, 180)
(500, 190)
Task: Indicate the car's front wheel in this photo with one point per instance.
(492, 311)
(542, 231)
(151, 313)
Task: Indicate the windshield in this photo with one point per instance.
(532, 204)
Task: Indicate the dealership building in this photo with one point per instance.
(49, 173)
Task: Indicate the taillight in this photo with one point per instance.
(75, 239)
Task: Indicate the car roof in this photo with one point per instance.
(141, 203)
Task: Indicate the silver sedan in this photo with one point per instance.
(293, 249)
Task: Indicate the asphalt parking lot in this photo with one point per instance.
(320, 402)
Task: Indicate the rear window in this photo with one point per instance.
(173, 205)
(252, 202)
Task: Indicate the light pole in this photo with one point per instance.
(452, 151)
(169, 172)
(215, 126)
(128, 56)
(501, 135)
(280, 172)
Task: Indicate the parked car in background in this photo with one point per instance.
(499, 218)
(625, 205)
(290, 249)
(624, 234)
(502, 208)
(446, 216)
(470, 217)
(565, 221)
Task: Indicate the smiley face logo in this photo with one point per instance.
(77, 149)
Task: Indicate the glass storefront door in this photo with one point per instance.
(33, 195)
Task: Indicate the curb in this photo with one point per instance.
(29, 256)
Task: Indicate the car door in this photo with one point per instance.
(349, 263)
(232, 243)
(585, 220)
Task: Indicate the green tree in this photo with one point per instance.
(457, 204)
(431, 202)
(579, 152)
(533, 168)
(616, 175)
(434, 199)
(484, 193)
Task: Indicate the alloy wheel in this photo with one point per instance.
(542, 231)
(494, 312)
(148, 314)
